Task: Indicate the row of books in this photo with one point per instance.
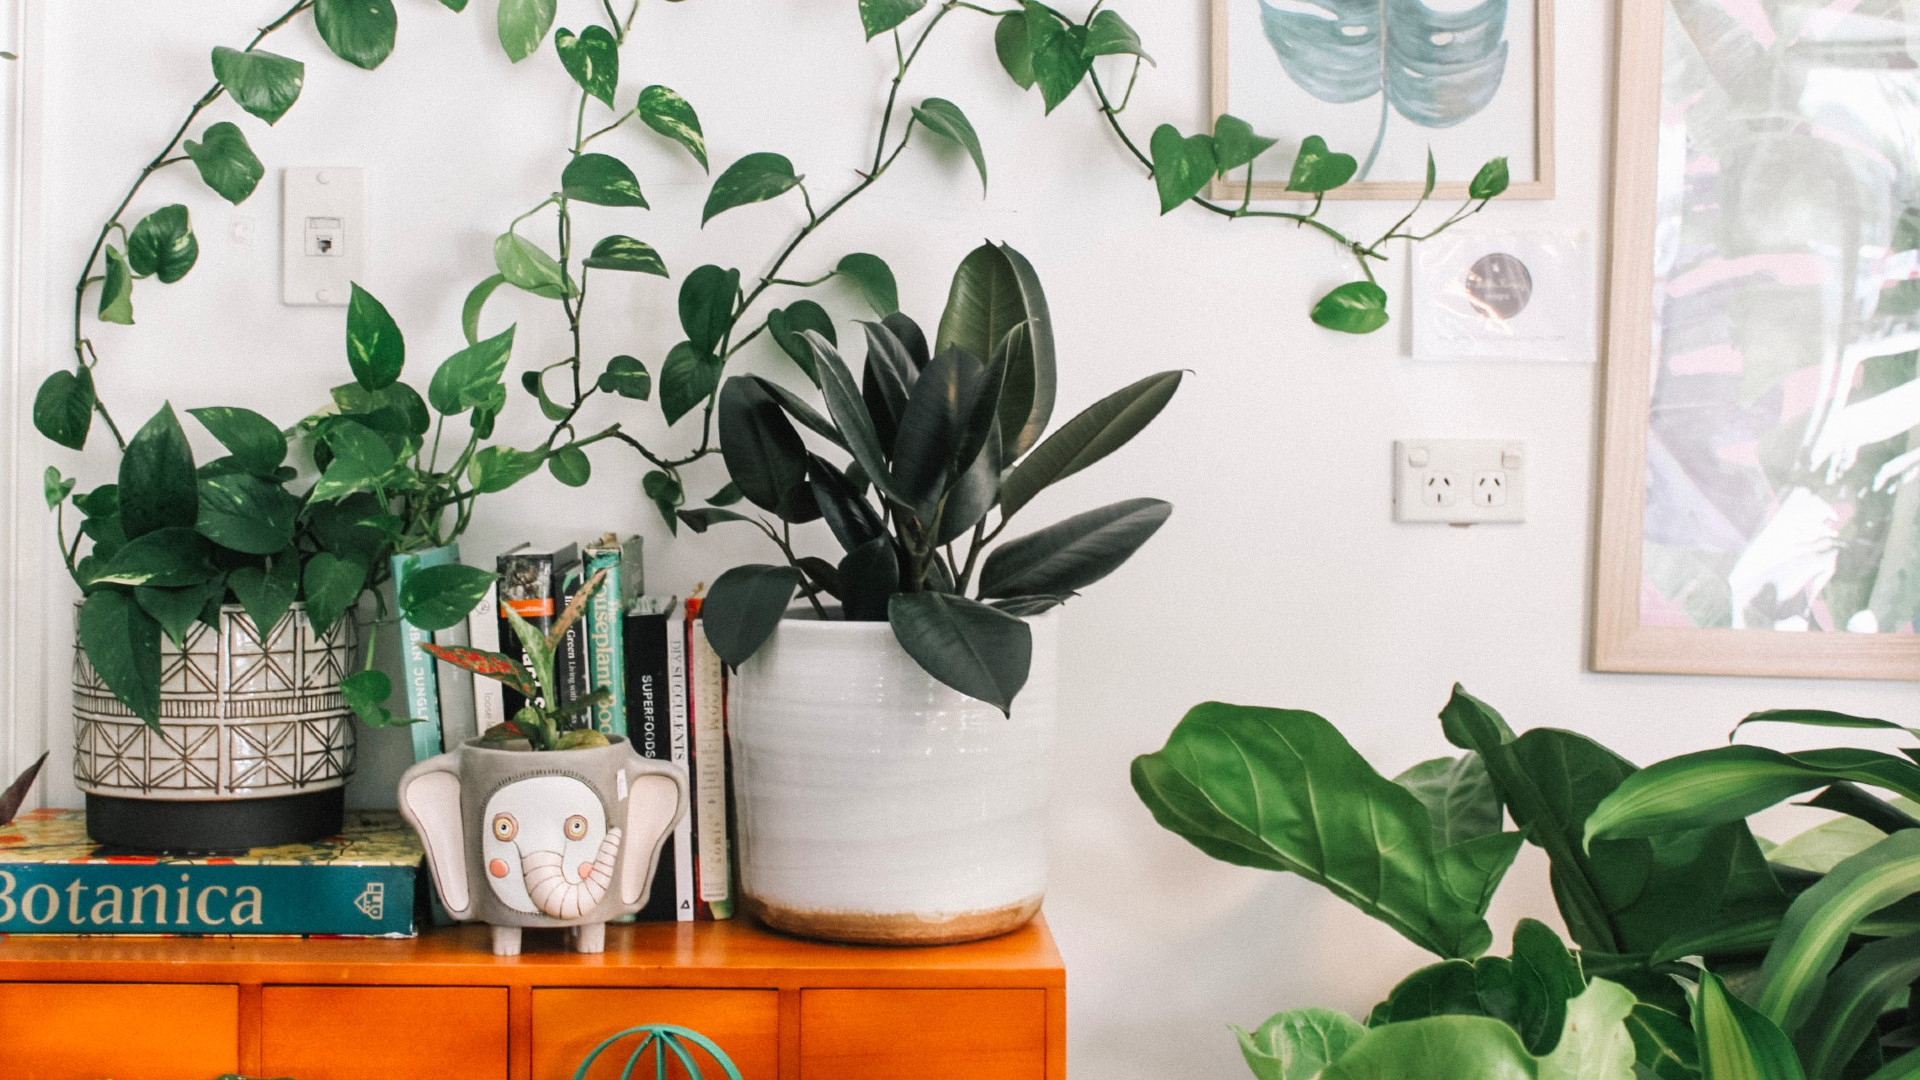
(668, 693)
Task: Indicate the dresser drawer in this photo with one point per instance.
(569, 1023)
(85, 1031)
(390, 1032)
(923, 1034)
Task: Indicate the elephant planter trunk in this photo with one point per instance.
(561, 838)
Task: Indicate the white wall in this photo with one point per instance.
(1280, 580)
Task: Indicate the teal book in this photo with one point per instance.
(422, 687)
(606, 627)
(362, 883)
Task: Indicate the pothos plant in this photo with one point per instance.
(945, 440)
(1737, 957)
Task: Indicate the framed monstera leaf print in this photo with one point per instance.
(1760, 484)
(1385, 81)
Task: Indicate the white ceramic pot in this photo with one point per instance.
(876, 804)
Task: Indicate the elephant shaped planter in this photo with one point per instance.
(560, 838)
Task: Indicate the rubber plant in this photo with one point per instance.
(1741, 958)
(945, 440)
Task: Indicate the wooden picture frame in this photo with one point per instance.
(1539, 187)
(1623, 640)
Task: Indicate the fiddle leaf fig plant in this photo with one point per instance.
(944, 437)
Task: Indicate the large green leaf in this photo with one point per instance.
(375, 349)
(1490, 181)
(1109, 35)
(947, 418)
(626, 254)
(874, 278)
(63, 407)
(267, 594)
(264, 84)
(1817, 925)
(669, 114)
(123, 644)
(627, 377)
(1857, 993)
(226, 163)
(361, 461)
(786, 324)
(867, 578)
(754, 178)
(745, 607)
(1546, 978)
(1729, 783)
(253, 440)
(602, 180)
(1057, 54)
(475, 303)
(1070, 555)
(360, 32)
(1014, 48)
(525, 266)
(497, 468)
(1358, 307)
(176, 610)
(522, 25)
(851, 420)
(157, 481)
(168, 558)
(1663, 1043)
(464, 380)
(163, 244)
(1282, 790)
(1820, 718)
(1235, 144)
(1737, 1042)
(944, 118)
(592, 57)
(1596, 1044)
(1450, 1047)
(707, 297)
(241, 512)
(1317, 169)
(1182, 165)
(980, 651)
(331, 583)
(1104, 427)
(441, 597)
(687, 377)
(764, 454)
(994, 291)
(1458, 795)
(880, 16)
(1298, 1044)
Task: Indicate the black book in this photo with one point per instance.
(649, 725)
(526, 589)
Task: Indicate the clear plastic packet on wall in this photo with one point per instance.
(1504, 295)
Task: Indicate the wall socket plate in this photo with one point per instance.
(323, 235)
(1459, 481)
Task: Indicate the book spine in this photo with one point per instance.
(526, 589)
(570, 659)
(483, 632)
(647, 722)
(194, 898)
(678, 742)
(606, 652)
(416, 667)
(713, 868)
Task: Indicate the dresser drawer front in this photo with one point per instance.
(923, 1035)
(84, 1031)
(569, 1023)
(390, 1032)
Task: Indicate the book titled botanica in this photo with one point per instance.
(361, 883)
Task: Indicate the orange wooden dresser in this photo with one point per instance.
(442, 1006)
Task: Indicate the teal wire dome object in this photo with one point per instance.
(662, 1039)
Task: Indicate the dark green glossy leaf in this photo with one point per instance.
(1856, 995)
(264, 84)
(1358, 307)
(116, 289)
(880, 16)
(666, 494)
(852, 519)
(176, 610)
(875, 280)
(868, 577)
(851, 421)
(361, 461)
(254, 441)
(994, 292)
(464, 380)
(1058, 54)
(475, 302)
(885, 380)
(360, 32)
(242, 512)
(1317, 169)
(522, 25)
(764, 454)
(944, 118)
(497, 468)
(745, 607)
(1820, 920)
(1182, 165)
(706, 305)
(1104, 427)
(728, 494)
(1012, 45)
(525, 266)
(974, 492)
(267, 594)
(440, 597)
(168, 558)
(700, 519)
(123, 644)
(687, 378)
(1459, 797)
(1449, 988)
(627, 377)
(948, 416)
(1109, 35)
(226, 163)
(1820, 718)
(786, 324)
(163, 244)
(980, 651)
(911, 338)
(63, 407)
(375, 349)
(806, 414)
(1069, 556)
(1490, 181)
(626, 254)
(571, 466)
(157, 479)
(366, 692)
(1235, 144)
(669, 114)
(1547, 976)
(754, 178)
(331, 584)
(1663, 1043)
(1732, 782)
(592, 57)
(600, 179)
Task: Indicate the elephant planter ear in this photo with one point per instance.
(657, 798)
(430, 799)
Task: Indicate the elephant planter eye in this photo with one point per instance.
(576, 827)
(504, 827)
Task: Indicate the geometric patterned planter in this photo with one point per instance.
(242, 717)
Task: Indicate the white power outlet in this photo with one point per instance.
(1459, 481)
(323, 235)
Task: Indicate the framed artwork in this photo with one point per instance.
(1760, 479)
(1387, 80)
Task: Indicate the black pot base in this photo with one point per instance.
(214, 826)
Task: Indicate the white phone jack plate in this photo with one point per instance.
(323, 235)
(1459, 481)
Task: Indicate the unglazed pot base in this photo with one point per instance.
(861, 928)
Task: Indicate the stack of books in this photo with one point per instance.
(669, 694)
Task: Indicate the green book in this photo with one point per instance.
(362, 883)
(422, 689)
(606, 626)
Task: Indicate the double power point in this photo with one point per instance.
(1459, 481)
